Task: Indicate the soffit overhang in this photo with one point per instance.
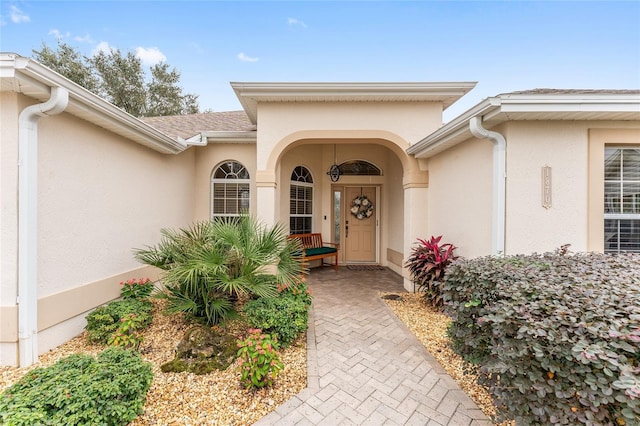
(251, 94)
(533, 107)
(23, 75)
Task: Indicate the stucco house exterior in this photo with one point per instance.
(83, 183)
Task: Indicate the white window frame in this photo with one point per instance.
(230, 179)
(635, 216)
(305, 184)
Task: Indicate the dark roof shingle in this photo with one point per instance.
(186, 126)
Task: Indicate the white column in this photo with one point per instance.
(415, 222)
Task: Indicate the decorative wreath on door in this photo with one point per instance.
(361, 207)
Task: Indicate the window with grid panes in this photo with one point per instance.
(230, 190)
(621, 200)
(301, 201)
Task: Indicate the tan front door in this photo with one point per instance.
(360, 232)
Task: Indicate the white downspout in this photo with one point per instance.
(28, 221)
(499, 182)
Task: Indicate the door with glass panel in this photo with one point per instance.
(360, 236)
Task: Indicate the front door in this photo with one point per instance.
(360, 224)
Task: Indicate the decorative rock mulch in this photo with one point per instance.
(218, 398)
(185, 398)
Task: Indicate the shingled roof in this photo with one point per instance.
(186, 126)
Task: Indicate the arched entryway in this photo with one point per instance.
(375, 173)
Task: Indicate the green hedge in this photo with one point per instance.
(80, 390)
(557, 337)
(103, 321)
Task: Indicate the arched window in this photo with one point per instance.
(301, 201)
(230, 190)
(359, 168)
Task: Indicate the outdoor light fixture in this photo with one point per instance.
(334, 171)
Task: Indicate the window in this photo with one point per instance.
(229, 190)
(359, 168)
(621, 200)
(301, 201)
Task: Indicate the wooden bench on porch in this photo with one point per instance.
(314, 248)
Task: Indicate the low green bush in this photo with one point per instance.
(105, 320)
(556, 336)
(285, 316)
(80, 390)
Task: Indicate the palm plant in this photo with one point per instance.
(211, 264)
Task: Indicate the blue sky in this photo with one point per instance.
(504, 45)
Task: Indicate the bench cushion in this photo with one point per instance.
(319, 250)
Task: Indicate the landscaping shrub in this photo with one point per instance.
(211, 265)
(105, 320)
(298, 290)
(136, 289)
(556, 336)
(128, 334)
(427, 264)
(80, 390)
(259, 362)
(285, 316)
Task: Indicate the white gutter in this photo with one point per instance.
(203, 138)
(499, 182)
(28, 221)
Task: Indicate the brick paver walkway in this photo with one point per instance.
(365, 367)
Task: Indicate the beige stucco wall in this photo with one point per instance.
(99, 197)
(401, 122)
(459, 197)
(8, 201)
(563, 147)
(460, 187)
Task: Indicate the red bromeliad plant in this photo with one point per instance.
(427, 265)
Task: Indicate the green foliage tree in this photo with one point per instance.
(165, 96)
(69, 62)
(120, 79)
(210, 265)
